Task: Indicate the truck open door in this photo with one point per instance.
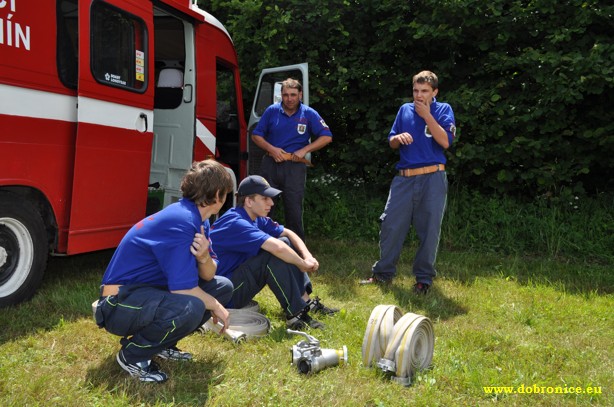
(114, 122)
(267, 93)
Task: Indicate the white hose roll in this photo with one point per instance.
(411, 347)
(378, 333)
(252, 305)
(253, 324)
(243, 324)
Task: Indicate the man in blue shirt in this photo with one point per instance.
(284, 133)
(254, 252)
(160, 285)
(422, 131)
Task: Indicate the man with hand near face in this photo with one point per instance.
(422, 131)
(161, 283)
(254, 252)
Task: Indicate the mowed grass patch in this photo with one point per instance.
(498, 320)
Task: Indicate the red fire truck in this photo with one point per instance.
(104, 104)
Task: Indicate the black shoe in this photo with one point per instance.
(421, 288)
(301, 321)
(174, 353)
(315, 305)
(146, 371)
(374, 280)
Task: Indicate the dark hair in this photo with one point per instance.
(241, 199)
(205, 182)
(292, 83)
(426, 77)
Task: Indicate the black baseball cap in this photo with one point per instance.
(255, 184)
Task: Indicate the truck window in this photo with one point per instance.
(227, 120)
(118, 48)
(68, 42)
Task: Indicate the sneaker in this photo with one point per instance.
(146, 371)
(373, 280)
(173, 353)
(301, 321)
(421, 288)
(315, 305)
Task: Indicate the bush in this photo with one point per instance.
(580, 228)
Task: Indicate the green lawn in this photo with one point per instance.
(526, 325)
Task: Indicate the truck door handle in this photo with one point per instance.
(143, 116)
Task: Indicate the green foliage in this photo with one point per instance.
(572, 227)
(530, 82)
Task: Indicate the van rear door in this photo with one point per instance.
(115, 118)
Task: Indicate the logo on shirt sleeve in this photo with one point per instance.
(323, 123)
(301, 128)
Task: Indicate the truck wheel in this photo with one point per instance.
(23, 250)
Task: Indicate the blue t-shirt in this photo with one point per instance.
(236, 238)
(424, 150)
(156, 251)
(291, 133)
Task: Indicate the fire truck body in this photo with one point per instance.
(104, 104)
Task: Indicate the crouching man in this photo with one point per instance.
(160, 285)
(255, 252)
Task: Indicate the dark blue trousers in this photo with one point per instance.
(151, 319)
(420, 202)
(290, 178)
(285, 280)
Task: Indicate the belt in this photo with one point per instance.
(295, 158)
(109, 289)
(412, 172)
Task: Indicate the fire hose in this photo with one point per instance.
(398, 344)
(245, 323)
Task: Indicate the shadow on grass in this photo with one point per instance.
(188, 384)
(572, 277)
(69, 287)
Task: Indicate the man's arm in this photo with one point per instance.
(284, 252)
(200, 249)
(273, 151)
(219, 313)
(319, 143)
(438, 133)
(400, 139)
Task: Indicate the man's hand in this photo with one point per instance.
(276, 154)
(423, 109)
(220, 314)
(311, 265)
(200, 246)
(400, 139)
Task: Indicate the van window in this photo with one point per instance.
(118, 47)
(68, 42)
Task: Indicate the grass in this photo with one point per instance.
(499, 321)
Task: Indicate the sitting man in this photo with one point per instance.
(255, 251)
(160, 285)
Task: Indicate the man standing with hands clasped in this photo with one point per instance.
(284, 133)
(422, 131)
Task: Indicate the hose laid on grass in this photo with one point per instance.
(398, 344)
(245, 323)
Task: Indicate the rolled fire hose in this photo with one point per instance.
(398, 344)
(245, 323)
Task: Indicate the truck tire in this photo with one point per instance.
(23, 250)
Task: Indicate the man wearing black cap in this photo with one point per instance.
(254, 251)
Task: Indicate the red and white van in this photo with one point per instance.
(104, 104)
